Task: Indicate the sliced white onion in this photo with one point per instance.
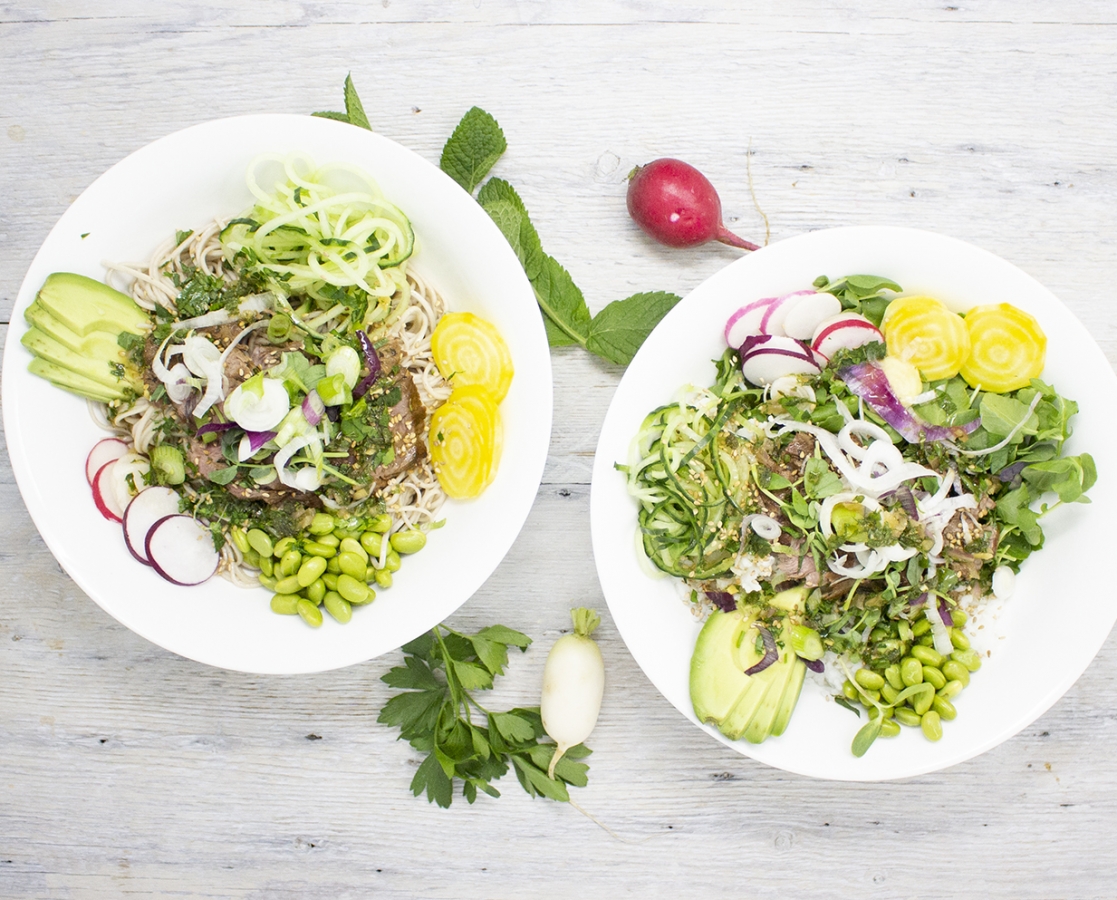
(1004, 582)
(939, 631)
(258, 411)
(763, 526)
(180, 383)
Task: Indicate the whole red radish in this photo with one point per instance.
(676, 204)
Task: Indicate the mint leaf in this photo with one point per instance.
(561, 300)
(474, 147)
(353, 108)
(336, 116)
(618, 331)
(499, 199)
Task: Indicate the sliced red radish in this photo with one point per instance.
(103, 494)
(128, 477)
(746, 321)
(180, 549)
(103, 451)
(147, 507)
(844, 331)
(764, 358)
(806, 311)
(773, 320)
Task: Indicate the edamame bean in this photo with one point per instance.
(353, 590)
(332, 565)
(338, 607)
(928, 640)
(906, 716)
(322, 523)
(928, 656)
(911, 671)
(934, 677)
(958, 639)
(851, 693)
(282, 546)
(958, 617)
(382, 577)
(330, 540)
(410, 541)
(266, 581)
(265, 564)
(252, 558)
(330, 580)
(349, 545)
(342, 533)
(310, 613)
(931, 725)
(285, 604)
(240, 539)
(955, 671)
(372, 543)
(921, 702)
(869, 679)
(968, 658)
(260, 542)
(290, 563)
(870, 694)
(944, 708)
(920, 628)
(315, 591)
(382, 523)
(877, 712)
(288, 585)
(892, 673)
(392, 563)
(315, 548)
(312, 568)
(951, 689)
(889, 693)
(889, 728)
(352, 565)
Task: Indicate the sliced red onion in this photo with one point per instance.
(906, 499)
(214, 428)
(815, 665)
(869, 382)
(723, 600)
(771, 652)
(940, 628)
(313, 408)
(944, 613)
(1011, 474)
(257, 439)
(373, 363)
(920, 600)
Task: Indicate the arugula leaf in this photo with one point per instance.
(473, 149)
(437, 715)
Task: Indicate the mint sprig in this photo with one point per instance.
(354, 110)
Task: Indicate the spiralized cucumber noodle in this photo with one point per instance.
(351, 233)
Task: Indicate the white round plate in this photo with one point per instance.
(183, 181)
(1039, 642)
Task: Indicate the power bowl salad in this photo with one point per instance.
(865, 470)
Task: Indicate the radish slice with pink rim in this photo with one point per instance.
(807, 311)
(773, 320)
(766, 357)
(147, 507)
(105, 451)
(104, 496)
(181, 550)
(746, 321)
(844, 331)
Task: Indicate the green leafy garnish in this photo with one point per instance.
(473, 149)
(354, 111)
(439, 716)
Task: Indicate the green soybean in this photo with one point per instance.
(353, 590)
(315, 591)
(968, 658)
(851, 692)
(260, 542)
(266, 564)
(330, 580)
(958, 639)
(338, 607)
(921, 627)
(928, 656)
(869, 679)
(240, 539)
(266, 581)
(955, 671)
(410, 541)
(290, 563)
(285, 604)
(874, 696)
(934, 677)
(911, 671)
(951, 689)
(889, 693)
(922, 702)
(288, 585)
(282, 546)
(352, 565)
(889, 728)
(382, 523)
(349, 545)
(944, 708)
(310, 613)
(315, 548)
(392, 563)
(372, 542)
(382, 577)
(330, 540)
(322, 523)
(312, 568)
(931, 725)
(892, 673)
(906, 716)
(958, 617)
(332, 565)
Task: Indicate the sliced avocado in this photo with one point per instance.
(72, 381)
(790, 698)
(716, 678)
(95, 368)
(760, 725)
(738, 723)
(84, 305)
(102, 344)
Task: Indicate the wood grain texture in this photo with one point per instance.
(128, 771)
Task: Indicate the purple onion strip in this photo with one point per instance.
(771, 653)
(944, 613)
(373, 363)
(723, 600)
(815, 665)
(313, 408)
(257, 439)
(214, 428)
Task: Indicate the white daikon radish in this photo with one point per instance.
(573, 683)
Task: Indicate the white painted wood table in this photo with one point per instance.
(128, 771)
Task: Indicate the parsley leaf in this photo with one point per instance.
(439, 716)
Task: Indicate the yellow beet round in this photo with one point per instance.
(1007, 348)
(465, 439)
(469, 350)
(923, 332)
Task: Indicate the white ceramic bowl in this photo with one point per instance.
(183, 181)
(1039, 642)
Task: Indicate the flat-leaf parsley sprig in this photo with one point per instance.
(439, 715)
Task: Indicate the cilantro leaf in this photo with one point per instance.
(472, 150)
(617, 332)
